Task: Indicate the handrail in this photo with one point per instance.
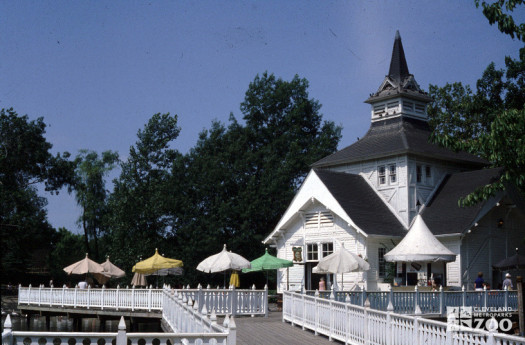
(363, 325)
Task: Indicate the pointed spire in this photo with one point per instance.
(398, 65)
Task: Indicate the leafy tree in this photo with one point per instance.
(489, 122)
(26, 161)
(137, 205)
(90, 191)
(67, 248)
(240, 178)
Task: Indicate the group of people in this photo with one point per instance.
(479, 283)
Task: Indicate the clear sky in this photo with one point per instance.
(97, 70)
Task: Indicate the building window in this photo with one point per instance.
(379, 110)
(428, 173)
(419, 174)
(312, 252)
(409, 106)
(328, 248)
(392, 173)
(382, 174)
(381, 262)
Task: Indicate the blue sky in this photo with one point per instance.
(97, 70)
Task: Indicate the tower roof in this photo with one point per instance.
(399, 81)
(398, 65)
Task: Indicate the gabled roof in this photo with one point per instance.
(348, 196)
(394, 137)
(442, 213)
(361, 203)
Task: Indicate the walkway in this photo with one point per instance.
(272, 330)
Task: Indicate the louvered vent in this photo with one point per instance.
(326, 219)
(318, 219)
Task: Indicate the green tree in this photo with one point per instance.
(489, 122)
(239, 179)
(25, 162)
(67, 248)
(138, 212)
(91, 194)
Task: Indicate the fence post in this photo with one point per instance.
(234, 301)
(133, 298)
(331, 326)
(265, 301)
(417, 309)
(51, 297)
(232, 328)
(200, 298)
(451, 322)
(102, 297)
(63, 293)
(122, 338)
(7, 334)
(366, 336)
(39, 294)
(28, 297)
(149, 298)
(506, 296)
(118, 296)
(463, 296)
(88, 296)
(389, 311)
(415, 337)
(363, 297)
(485, 296)
(441, 300)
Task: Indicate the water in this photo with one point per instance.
(65, 324)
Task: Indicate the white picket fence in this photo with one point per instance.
(189, 324)
(358, 325)
(223, 301)
(429, 302)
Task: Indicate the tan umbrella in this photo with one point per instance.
(139, 280)
(85, 266)
(110, 271)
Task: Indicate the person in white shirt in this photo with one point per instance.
(507, 282)
(83, 285)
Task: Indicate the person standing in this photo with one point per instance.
(479, 282)
(507, 283)
(322, 284)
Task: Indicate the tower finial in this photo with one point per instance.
(398, 65)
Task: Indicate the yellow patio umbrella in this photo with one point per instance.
(234, 279)
(155, 263)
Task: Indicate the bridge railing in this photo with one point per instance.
(118, 299)
(363, 325)
(230, 301)
(223, 301)
(182, 317)
(429, 302)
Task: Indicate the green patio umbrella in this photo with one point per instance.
(267, 262)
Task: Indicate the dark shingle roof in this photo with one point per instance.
(442, 213)
(361, 203)
(393, 137)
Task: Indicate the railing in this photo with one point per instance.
(223, 301)
(429, 302)
(180, 315)
(362, 325)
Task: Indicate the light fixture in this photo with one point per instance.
(500, 222)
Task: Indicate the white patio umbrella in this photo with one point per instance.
(223, 261)
(110, 271)
(341, 261)
(86, 266)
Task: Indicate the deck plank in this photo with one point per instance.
(272, 330)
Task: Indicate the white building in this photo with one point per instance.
(366, 195)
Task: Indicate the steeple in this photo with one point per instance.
(398, 65)
(399, 95)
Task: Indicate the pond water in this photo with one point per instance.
(64, 324)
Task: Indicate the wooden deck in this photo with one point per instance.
(272, 330)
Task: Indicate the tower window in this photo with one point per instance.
(420, 108)
(381, 174)
(392, 173)
(419, 174)
(428, 173)
(408, 106)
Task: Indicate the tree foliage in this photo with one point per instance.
(25, 161)
(137, 205)
(239, 179)
(490, 121)
(91, 194)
